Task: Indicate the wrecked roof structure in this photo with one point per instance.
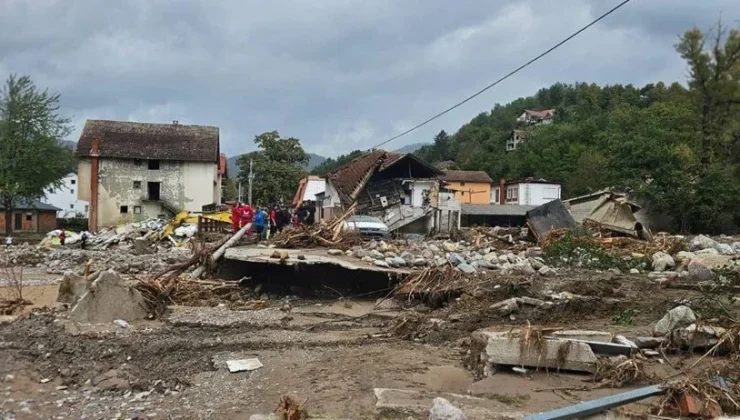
(493, 214)
(547, 217)
(135, 140)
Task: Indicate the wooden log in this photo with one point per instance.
(221, 251)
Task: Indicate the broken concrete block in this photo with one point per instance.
(585, 335)
(678, 317)
(546, 271)
(109, 298)
(110, 380)
(649, 342)
(443, 410)
(702, 242)
(72, 288)
(662, 261)
(509, 348)
(697, 336)
(466, 268)
(335, 252)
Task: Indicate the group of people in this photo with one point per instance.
(265, 221)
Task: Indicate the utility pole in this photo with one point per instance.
(250, 178)
(239, 196)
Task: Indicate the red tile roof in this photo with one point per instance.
(543, 113)
(465, 176)
(134, 140)
(350, 178)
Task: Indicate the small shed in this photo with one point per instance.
(30, 216)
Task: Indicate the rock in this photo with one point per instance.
(524, 268)
(396, 262)
(506, 348)
(485, 264)
(725, 249)
(434, 248)
(678, 317)
(506, 307)
(708, 251)
(491, 257)
(711, 261)
(110, 381)
(381, 263)
(335, 252)
(456, 259)
(649, 342)
(534, 252)
(361, 253)
(373, 244)
(141, 246)
(546, 271)
(121, 323)
(736, 247)
(72, 288)
(439, 262)
(684, 256)
(443, 410)
(536, 263)
(697, 336)
(383, 246)
(449, 246)
(634, 271)
(109, 298)
(368, 258)
(702, 242)
(698, 273)
(466, 268)
(390, 254)
(428, 254)
(661, 261)
(419, 262)
(407, 256)
(620, 339)
(512, 258)
(376, 255)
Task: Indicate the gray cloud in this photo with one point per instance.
(340, 75)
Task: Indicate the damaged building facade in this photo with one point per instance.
(400, 189)
(130, 171)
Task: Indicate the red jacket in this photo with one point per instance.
(246, 213)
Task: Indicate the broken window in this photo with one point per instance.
(124, 209)
(72, 191)
(72, 182)
(153, 164)
(72, 206)
(153, 190)
(137, 209)
(29, 217)
(137, 185)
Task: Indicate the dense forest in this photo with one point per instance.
(675, 147)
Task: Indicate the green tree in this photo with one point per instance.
(332, 164)
(31, 157)
(278, 166)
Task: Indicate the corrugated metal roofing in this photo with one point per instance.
(495, 209)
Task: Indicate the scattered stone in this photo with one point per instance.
(361, 253)
(649, 342)
(456, 259)
(634, 271)
(711, 261)
(443, 410)
(725, 249)
(381, 263)
(485, 264)
(121, 323)
(419, 262)
(702, 242)
(466, 268)
(434, 248)
(491, 257)
(449, 246)
(408, 257)
(376, 255)
(396, 262)
(506, 348)
(335, 252)
(383, 246)
(678, 317)
(110, 381)
(141, 246)
(697, 336)
(243, 365)
(506, 307)
(698, 273)
(536, 263)
(546, 271)
(708, 251)
(523, 267)
(662, 261)
(45, 380)
(685, 256)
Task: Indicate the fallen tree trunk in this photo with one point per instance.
(220, 251)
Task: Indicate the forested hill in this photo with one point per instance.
(675, 147)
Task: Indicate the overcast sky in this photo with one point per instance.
(338, 74)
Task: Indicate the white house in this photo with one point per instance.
(544, 116)
(65, 198)
(532, 192)
(132, 171)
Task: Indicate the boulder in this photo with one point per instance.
(725, 249)
(524, 268)
(697, 336)
(546, 271)
(685, 256)
(109, 298)
(376, 255)
(335, 252)
(443, 410)
(72, 288)
(491, 257)
(702, 242)
(381, 263)
(449, 246)
(662, 261)
(697, 272)
(711, 261)
(678, 317)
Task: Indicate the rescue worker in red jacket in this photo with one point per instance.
(235, 217)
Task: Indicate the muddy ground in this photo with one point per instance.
(342, 358)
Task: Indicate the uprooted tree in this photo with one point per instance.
(31, 156)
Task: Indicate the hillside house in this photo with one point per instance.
(31, 216)
(132, 171)
(65, 198)
(530, 192)
(532, 117)
(515, 138)
(469, 187)
(401, 189)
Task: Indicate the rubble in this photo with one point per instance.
(680, 316)
(109, 298)
(443, 410)
(662, 261)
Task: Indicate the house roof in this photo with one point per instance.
(495, 209)
(350, 178)
(533, 181)
(466, 176)
(23, 204)
(542, 113)
(521, 133)
(135, 140)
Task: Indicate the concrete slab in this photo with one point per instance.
(507, 348)
(310, 256)
(584, 335)
(390, 401)
(109, 298)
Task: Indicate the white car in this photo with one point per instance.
(368, 226)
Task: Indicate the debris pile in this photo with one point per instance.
(23, 255)
(126, 259)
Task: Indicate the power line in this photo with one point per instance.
(554, 47)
